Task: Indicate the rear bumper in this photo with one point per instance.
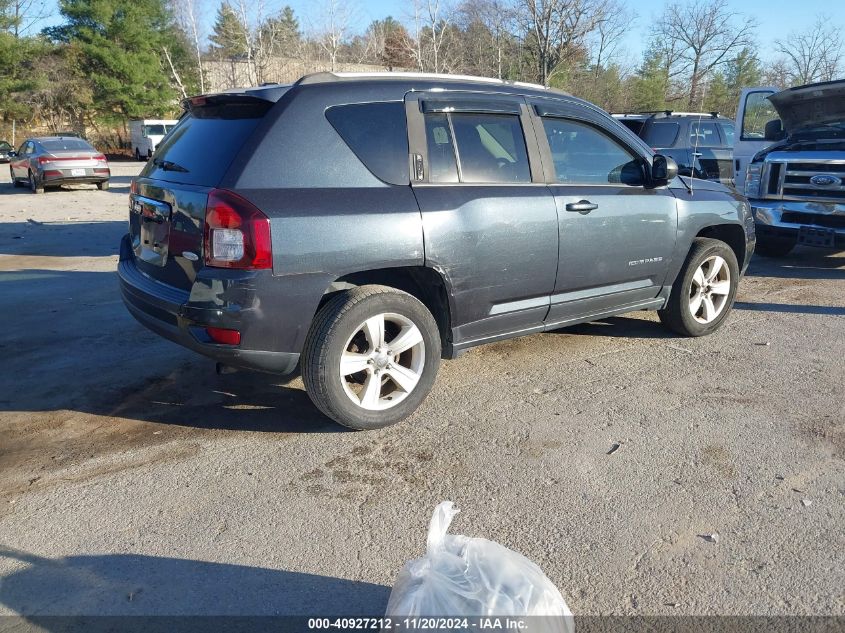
(64, 179)
(168, 312)
(784, 218)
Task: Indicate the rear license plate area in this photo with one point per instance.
(150, 229)
(77, 172)
(812, 236)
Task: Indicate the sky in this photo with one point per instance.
(775, 18)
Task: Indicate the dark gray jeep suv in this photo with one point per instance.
(364, 227)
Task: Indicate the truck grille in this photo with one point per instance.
(790, 180)
(816, 219)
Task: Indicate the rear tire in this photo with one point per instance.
(775, 246)
(704, 291)
(15, 181)
(370, 357)
(34, 185)
(103, 186)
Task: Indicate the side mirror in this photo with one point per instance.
(12, 154)
(663, 169)
(774, 130)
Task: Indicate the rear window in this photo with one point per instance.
(703, 134)
(377, 133)
(61, 144)
(200, 148)
(662, 134)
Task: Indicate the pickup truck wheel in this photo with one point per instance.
(370, 357)
(774, 246)
(704, 292)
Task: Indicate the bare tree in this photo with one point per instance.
(24, 16)
(812, 55)
(432, 30)
(492, 18)
(702, 36)
(609, 33)
(333, 29)
(556, 30)
(187, 13)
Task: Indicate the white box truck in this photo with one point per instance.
(146, 134)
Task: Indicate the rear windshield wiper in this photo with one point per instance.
(168, 165)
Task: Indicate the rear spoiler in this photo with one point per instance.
(267, 94)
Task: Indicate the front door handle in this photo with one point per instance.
(582, 206)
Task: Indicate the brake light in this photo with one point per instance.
(236, 233)
(224, 336)
(100, 157)
(42, 160)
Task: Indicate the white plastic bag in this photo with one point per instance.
(461, 576)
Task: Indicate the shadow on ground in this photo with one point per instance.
(802, 263)
(136, 585)
(32, 237)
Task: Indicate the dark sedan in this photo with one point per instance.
(52, 161)
(5, 150)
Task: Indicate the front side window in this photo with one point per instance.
(703, 134)
(758, 111)
(584, 155)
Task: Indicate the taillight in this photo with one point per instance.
(100, 157)
(44, 159)
(237, 234)
(133, 186)
(224, 336)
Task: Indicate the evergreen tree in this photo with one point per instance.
(230, 37)
(118, 45)
(651, 83)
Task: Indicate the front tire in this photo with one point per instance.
(370, 357)
(704, 291)
(775, 246)
(15, 181)
(103, 186)
(137, 154)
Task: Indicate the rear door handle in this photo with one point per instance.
(582, 206)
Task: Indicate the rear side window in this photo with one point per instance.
(199, 150)
(662, 134)
(442, 166)
(728, 133)
(704, 134)
(491, 148)
(377, 133)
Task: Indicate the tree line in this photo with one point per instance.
(112, 60)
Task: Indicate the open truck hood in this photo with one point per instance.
(813, 104)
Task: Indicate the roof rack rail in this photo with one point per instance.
(323, 77)
(657, 113)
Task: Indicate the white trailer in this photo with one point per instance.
(146, 134)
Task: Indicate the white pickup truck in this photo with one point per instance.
(789, 161)
(146, 134)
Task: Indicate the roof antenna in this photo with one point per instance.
(695, 152)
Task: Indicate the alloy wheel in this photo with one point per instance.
(710, 289)
(382, 361)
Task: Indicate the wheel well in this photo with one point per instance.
(730, 234)
(425, 284)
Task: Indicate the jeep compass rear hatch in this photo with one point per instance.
(169, 201)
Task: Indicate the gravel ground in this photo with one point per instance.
(133, 480)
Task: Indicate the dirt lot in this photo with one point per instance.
(135, 480)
